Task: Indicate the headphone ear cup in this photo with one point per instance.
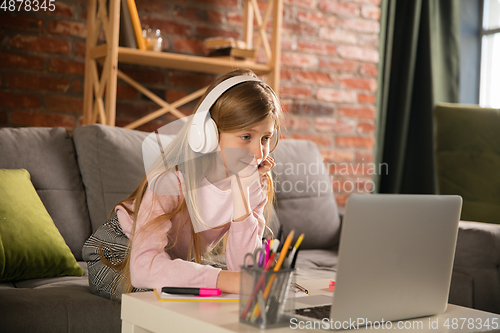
(211, 136)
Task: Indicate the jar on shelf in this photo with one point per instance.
(153, 38)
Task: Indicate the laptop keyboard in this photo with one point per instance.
(317, 312)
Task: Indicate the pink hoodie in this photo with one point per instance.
(153, 267)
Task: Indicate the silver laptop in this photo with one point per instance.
(395, 259)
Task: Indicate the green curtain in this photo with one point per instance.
(419, 67)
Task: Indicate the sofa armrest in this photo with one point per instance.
(478, 244)
(476, 270)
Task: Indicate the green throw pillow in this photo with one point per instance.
(30, 243)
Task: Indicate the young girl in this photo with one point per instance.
(191, 204)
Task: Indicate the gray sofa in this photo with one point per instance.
(80, 176)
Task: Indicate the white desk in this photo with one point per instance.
(142, 312)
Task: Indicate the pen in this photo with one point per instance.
(299, 287)
(192, 291)
(292, 256)
(268, 251)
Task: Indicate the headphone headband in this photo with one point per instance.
(203, 134)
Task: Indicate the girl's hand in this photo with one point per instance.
(263, 168)
(266, 166)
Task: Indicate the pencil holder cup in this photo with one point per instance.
(266, 297)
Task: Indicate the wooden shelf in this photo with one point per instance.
(181, 61)
(99, 102)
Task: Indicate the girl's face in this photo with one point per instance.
(243, 151)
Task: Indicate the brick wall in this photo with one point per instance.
(328, 75)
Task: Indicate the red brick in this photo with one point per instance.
(358, 83)
(79, 49)
(64, 103)
(174, 95)
(298, 92)
(366, 98)
(369, 2)
(358, 53)
(36, 82)
(338, 65)
(11, 60)
(366, 128)
(286, 105)
(220, 3)
(68, 28)
(333, 125)
(312, 108)
(4, 118)
(206, 32)
(337, 155)
(167, 28)
(126, 92)
(313, 77)
(21, 22)
(301, 3)
(19, 100)
(334, 95)
(235, 18)
(296, 123)
(341, 199)
(37, 119)
(368, 70)
(286, 74)
(370, 12)
(66, 66)
(189, 79)
(360, 25)
(368, 40)
(354, 141)
(339, 8)
(337, 36)
(194, 47)
(77, 86)
(145, 74)
(63, 9)
(298, 29)
(316, 19)
(322, 48)
(319, 139)
(364, 156)
(40, 44)
(197, 14)
(288, 43)
(134, 109)
(357, 112)
(290, 59)
(155, 6)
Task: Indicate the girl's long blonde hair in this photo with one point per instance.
(241, 107)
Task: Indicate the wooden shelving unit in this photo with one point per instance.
(100, 90)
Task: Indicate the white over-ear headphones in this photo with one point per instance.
(203, 136)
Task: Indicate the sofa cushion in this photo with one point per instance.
(111, 163)
(468, 158)
(49, 156)
(62, 309)
(30, 244)
(305, 200)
